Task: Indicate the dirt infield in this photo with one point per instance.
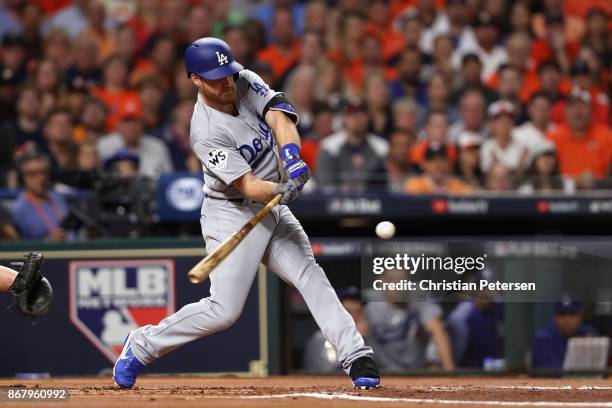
(180, 391)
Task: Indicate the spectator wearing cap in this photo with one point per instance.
(436, 132)
(436, 178)
(490, 53)
(319, 355)
(501, 148)
(584, 147)
(472, 115)
(409, 82)
(543, 175)
(550, 342)
(582, 77)
(284, 53)
(519, 49)
(467, 166)
(399, 166)
(129, 134)
(122, 163)
(532, 133)
(554, 45)
(38, 211)
(352, 158)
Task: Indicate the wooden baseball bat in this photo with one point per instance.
(200, 272)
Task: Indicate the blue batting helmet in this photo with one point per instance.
(210, 58)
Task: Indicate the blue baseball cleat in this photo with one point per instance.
(364, 373)
(127, 367)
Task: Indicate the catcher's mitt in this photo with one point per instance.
(33, 292)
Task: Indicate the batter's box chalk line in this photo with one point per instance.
(351, 397)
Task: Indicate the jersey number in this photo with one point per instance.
(221, 59)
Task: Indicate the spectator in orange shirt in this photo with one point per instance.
(554, 45)
(436, 132)
(379, 24)
(114, 91)
(284, 53)
(584, 147)
(436, 177)
(582, 78)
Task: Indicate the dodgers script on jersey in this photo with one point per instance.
(231, 146)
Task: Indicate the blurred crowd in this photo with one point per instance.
(412, 96)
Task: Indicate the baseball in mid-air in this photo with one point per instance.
(385, 230)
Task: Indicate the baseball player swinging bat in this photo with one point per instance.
(245, 136)
(200, 272)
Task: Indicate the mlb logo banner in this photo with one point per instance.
(108, 299)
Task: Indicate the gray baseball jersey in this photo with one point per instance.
(229, 147)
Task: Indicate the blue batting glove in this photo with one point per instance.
(295, 167)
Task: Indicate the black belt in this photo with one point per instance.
(231, 200)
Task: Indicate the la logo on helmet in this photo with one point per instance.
(221, 59)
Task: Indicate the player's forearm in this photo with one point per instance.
(7, 276)
(255, 189)
(284, 130)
